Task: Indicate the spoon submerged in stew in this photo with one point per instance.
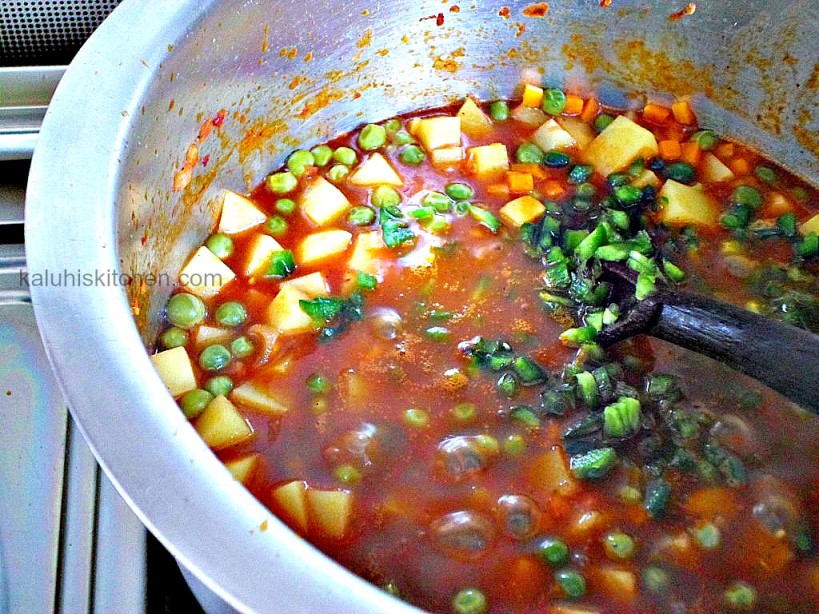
(782, 356)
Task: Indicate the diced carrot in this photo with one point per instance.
(532, 95)
(535, 170)
(777, 204)
(655, 113)
(708, 503)
(574, 105)
(683, 113)
(519, 183)
(498, 189)
(691, 153)
(740, 167)
(670, 150)
(553, 189)
(619, 584)
(724, 151)
(763, 555)
(590, 110)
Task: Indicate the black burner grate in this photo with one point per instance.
(47, 32)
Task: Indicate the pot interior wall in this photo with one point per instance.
(287, 77)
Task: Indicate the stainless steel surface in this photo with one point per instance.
(68, 543)
(47, 31)
(745, 64)
(24, 96)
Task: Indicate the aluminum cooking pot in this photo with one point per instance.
(289, 74)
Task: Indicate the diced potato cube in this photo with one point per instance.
(446, 156)
(579, 130)
(549, 474)
(205, 274)
(488, 159)
(412, 125)
(322, 202)
(585, 524)
(221, 425)
(521, 210)
(684, 205)
(321, 246)
(776, 204)
(437, 132)
(175, 369)
(713, 170)
(259, 250)
(474, 122)
(551, 136)
(238, 214)
(375, 171)
(528, 116)
(619, 145)
(330, 511)
(311, 285)
(208, 335)
(532, 96)
(285, 313)
(812, 225)
(292, 504)
(259, 398)
(242, 469)
(365, 252)
(647, 177)
(619, 584)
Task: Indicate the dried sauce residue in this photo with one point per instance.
(365, 39)
(536, 10)
(449, 64)
(504, 12)
(266, 39)
(688, 10)
(454, 8)
(604, 4)
(439, 19)
(182, 178)
(260, 132)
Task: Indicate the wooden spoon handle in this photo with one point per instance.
(782, 356)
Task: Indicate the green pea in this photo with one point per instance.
(285, 206)
(275, 226)
(499, 111)
(345, 155)
(705, 139)
(572, 583)
(529, 153)
(585, 191)
(241, 347)
(765, 174)
(386, 196)
(747, 195)
(392, 125)
(619, 545)
(465, 412)
(601, 122)
(299, 160)
(629, 494)
(554, 551)
(221, 245)
(514, 445)
(219, 384)
(438, 201)
(282, 183)
(740, 596)
(459, 191)
(628, 194)
(412, 155)
(469, 601)
(361, 216)
(508, 385)
(347, 475)
(214, 357)
(554, 101)
(656, 580)
(371, 137)
(579, 173)
(707, 535)
(556, 159)
(318, 383)
(321, 154)
(174, 337)
(416, 418)
(185, 310)
(402, 137)
(194, 402)
(338, 172)
(231, 314)
(461, 208)
(680, 171)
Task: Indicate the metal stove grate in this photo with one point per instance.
(47, 32)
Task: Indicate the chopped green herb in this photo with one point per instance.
(594, 464)
(281, 264)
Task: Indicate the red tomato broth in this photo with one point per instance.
(403, 489)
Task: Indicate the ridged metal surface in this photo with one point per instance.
(42, 32)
